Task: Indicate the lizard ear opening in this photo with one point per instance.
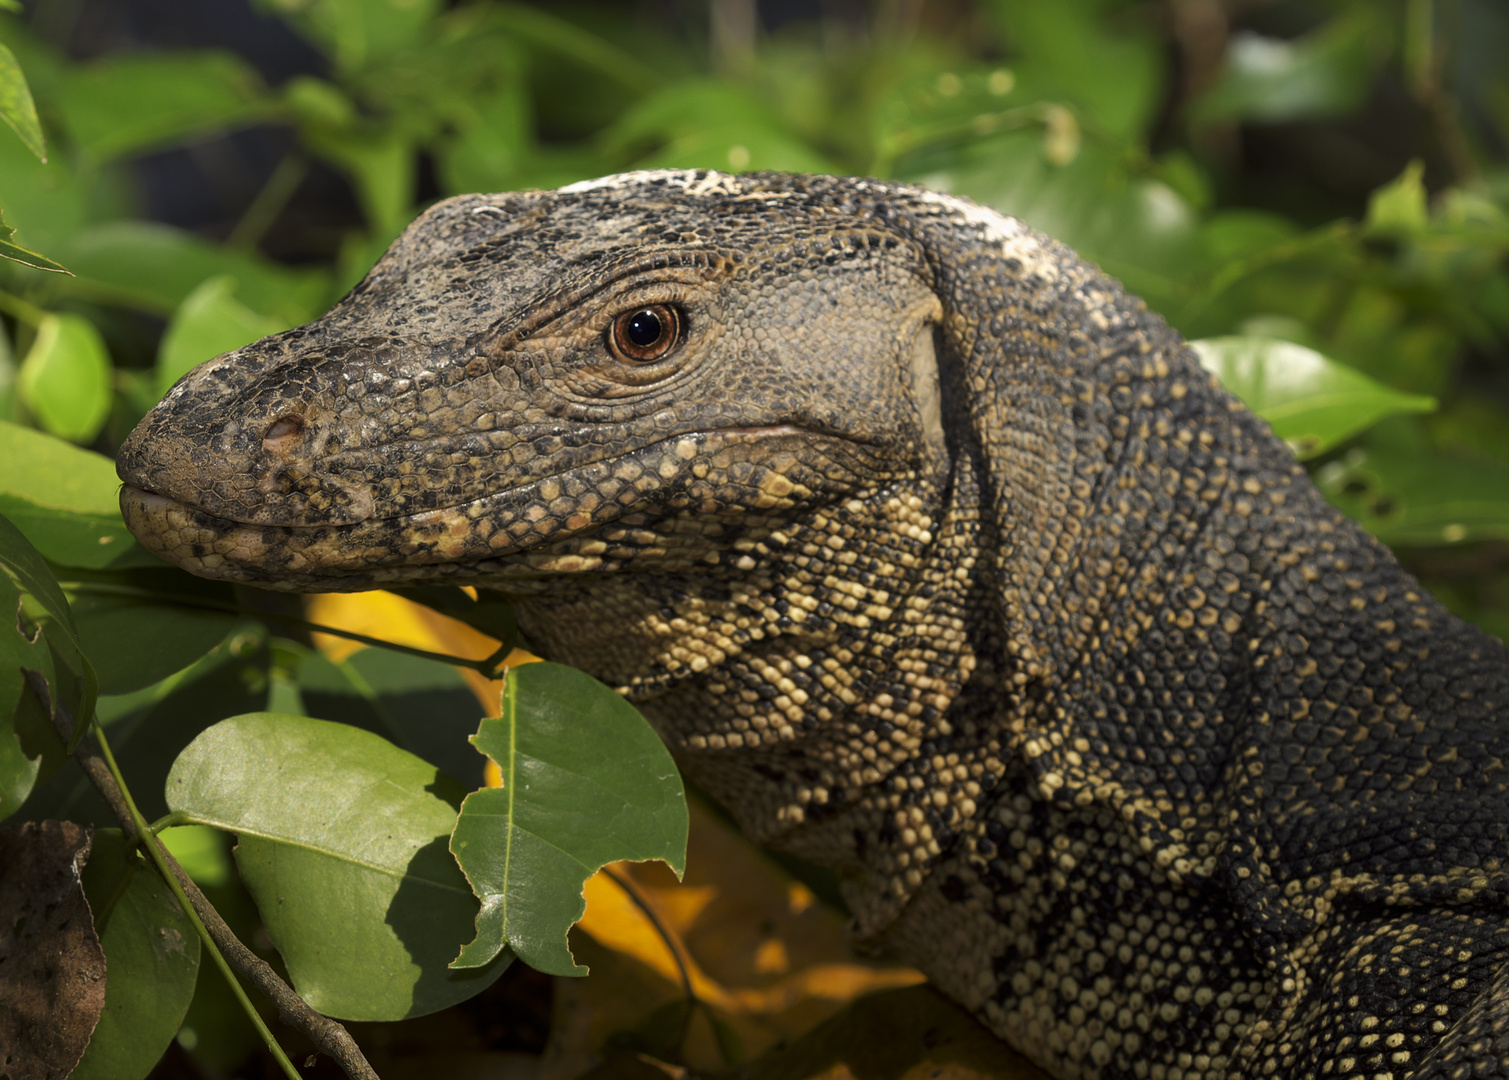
(283, 433)
(927, 390)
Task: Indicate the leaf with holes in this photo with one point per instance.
(586, 782)
(1406, 498)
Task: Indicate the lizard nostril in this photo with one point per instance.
(283, 433)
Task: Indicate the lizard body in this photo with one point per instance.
(939, 560)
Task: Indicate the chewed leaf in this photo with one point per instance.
(1311, 402)
(342, 843)
(586, 782)
(43, 671)
(1424, 500)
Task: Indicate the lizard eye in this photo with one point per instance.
(645, 334)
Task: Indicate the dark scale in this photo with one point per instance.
(941, 561)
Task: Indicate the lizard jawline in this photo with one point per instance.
(475, 541)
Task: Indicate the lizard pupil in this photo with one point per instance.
(645, 329)
(645, 334)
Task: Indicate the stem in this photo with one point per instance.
(493, 660)
(102, 588)
(156, 853)
(21, 310)
(177, 817)
(268, 203)
(895, 146)
(1425, 61)
(672, 943)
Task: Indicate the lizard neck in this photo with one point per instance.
(821, 692)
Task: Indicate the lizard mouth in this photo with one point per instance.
(542, 528)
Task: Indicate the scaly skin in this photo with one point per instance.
(939, 560)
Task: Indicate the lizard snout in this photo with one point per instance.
(240, 440)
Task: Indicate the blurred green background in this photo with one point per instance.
(1333, 174)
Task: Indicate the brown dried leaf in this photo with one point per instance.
(52, 969)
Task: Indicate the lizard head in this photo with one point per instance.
(557, 383)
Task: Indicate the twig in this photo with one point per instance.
(268, 203)
(107, 588)
(327, 1035)
(672, 943)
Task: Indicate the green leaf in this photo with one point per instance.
(36, 634)
(383, 168)
(210, 321)
(1405, 498)
(1399, 206)
(13, 251)
(492, 141)
(203, 852)
(135, 641)
(51, 202)
(149, 728)
(697, 123)
(16, 106)
(130, 104)
(558, 34)
(156, 267)
(1273, 80)
(1135, 227)
(7, 379)
(1311, 402)
(422, 706)
(65, 379)
(343, 845)
(66, 499)
(361, 32)
(320, 104)
(1068, 51)
(586, 781)
(152, 954)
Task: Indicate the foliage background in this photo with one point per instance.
(1333, 173)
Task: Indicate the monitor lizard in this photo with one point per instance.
(940, 561)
